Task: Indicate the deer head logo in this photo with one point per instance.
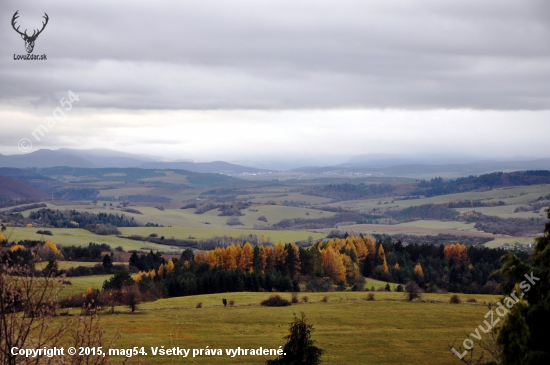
(29, 40)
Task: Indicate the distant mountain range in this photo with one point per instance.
(464, 169)
(105, 158)
(375, 164)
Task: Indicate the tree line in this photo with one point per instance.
(74, 219)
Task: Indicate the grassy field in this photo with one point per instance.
(204, 233)
(511, 196)
(211, 219)
(431, 224)
(64, 265)
(509, 240)
(505, 211)
(350, 329)
(416, 228)
(81, 237)
(79, 284)
(250, 298)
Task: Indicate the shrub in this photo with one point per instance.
(102, 229)
(370, 296)
(131, 296)
(399, 288)
(294, 299)
(275, 301)
(305, 299)
(455, 299)
(231, 303)
(45, 232)
(318, 285)
(372, 288)
(224, 301)
(262, 218)
(341, 286)
(199, 305)
(359, 284)
(412, 291)
(471, 300)
(234, 221)
(388, 287)
(325, 299)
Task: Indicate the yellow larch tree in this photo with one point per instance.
(418, 269)
(203, 257)
(247, 256)
(352, 269)
(333, 267)
(382, 255)
(371, 245)
(170, 266)
(280, 254)
(229, 257)
(361, 249)
(238, 255)
(456, 252)
(297, 264)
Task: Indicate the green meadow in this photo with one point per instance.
(350, 329)
(82, 237)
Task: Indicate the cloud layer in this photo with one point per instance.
(216, 79)
(284, 54)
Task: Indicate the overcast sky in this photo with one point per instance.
(255, 80)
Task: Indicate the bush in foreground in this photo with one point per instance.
(275, 301)
(412, 291)
(455, 299)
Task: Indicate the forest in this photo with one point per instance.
(334, 263)
(74, 219)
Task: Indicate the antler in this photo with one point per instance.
(13, 19)
(43, 25)
(34, 34)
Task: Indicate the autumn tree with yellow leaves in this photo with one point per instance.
(457, 253)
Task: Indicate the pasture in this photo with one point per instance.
(511, 196)
(350, 329)
(81, 237)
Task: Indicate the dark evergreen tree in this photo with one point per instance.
(524, 333)
(299, 348)
(107, 262)
(187, 255)
(257, 260)
(120, 279)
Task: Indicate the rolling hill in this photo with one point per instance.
(11, 188)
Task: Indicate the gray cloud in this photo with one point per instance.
(282, 54)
